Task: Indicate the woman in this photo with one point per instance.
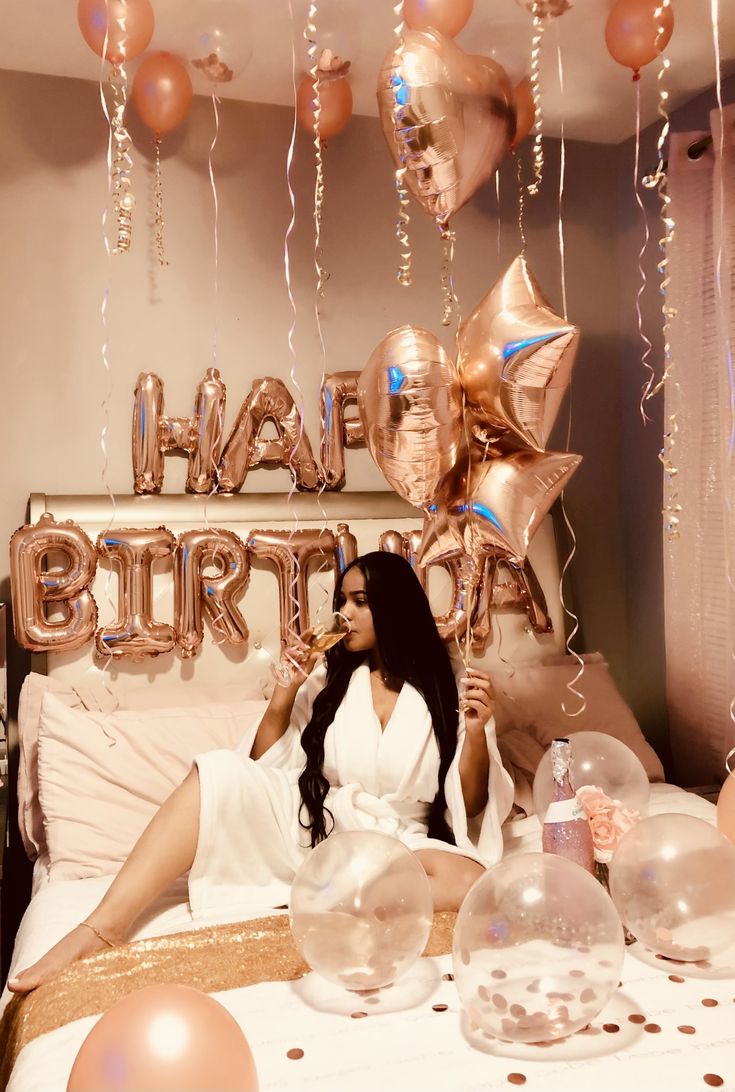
(371, 741)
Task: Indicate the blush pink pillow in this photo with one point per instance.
(102, 776)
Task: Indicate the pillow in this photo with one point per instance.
(101, 776)
(100, 697)
(529, 714)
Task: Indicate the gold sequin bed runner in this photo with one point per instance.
(220, 957)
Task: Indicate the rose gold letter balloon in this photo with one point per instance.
(126, 24)
(635, 34)
(167, 1038)
(162, 92)
(135, 634)
(292, 552)
(446, 16)
(337, 433)
(200, 435)
(335, 105)
(411, 409)
(68, 589)
(447, 117)
(515, 360)
(269, 400)
(217, 595)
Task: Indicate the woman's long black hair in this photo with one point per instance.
(412, 650)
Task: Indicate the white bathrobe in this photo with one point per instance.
(250, 840)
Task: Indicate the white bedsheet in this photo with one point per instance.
(405, 1044)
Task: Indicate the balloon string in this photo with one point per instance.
(449, 238)
(521, 201)
(538, 151)
(123, 199)
(672, 507)
(643, 279)
(402, 221)
(158, 205)
(728, 758)
(500, 221)
(562, 172)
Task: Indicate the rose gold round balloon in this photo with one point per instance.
(635, 34)
(525, 110)
(335, 102)
(162, 92)
(447, 117)
(446, 16)
(127, 25)
(167, 1038)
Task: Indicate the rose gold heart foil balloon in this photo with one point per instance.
(448, 117)
(495, 503)
(410, 403)
(515, 360)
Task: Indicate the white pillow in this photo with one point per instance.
(102, 776)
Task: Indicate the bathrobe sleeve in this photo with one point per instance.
(286, 752)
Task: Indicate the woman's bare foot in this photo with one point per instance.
(77, 944)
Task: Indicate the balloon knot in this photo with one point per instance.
(636, 75)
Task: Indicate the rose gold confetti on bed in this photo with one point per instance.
(499, 1002)
(295, 1053)
(497, 973)
(611, 1028)
(687, 1029)
(675, 978)
(652, 1029)
(713, 1080)
(440, 1008)
(516, 1078)
(576, 974)
(709, 1002)
(358, 1015)
(636, 1018)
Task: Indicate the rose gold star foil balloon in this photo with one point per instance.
(495, 503)
(515, 359)
(410, 403)
(448, 117)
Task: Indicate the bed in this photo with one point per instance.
(100, 747)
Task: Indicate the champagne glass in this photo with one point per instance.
(324, 635)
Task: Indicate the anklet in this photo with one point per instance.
(97, 933)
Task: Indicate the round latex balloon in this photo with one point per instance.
(673, 881)
(335, 105)
(726, 808)
(602, 761)
(361, 909)
(635, 34)
(446, 16)
(167, 1039)
(122, 28)
(162, 92)
(538, 949)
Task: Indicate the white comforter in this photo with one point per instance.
(405, 1043)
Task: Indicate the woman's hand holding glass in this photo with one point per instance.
(299, 659)
(476, 698)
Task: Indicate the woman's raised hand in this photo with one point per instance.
(298, 660)
(476, 698)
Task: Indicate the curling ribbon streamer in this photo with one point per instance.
(644, 280)
(538, 151)
(402, 221)
(447, 275)
(158, 205)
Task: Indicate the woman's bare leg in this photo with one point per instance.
(164, 851)
(450, 876)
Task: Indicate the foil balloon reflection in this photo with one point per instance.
(411, 408)
(338, 432)
(196, 593)
(448, 118)
(269, 400)
(515, 359)
(496, 503)
(36, 587)
(135, 634)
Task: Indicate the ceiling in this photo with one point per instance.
(598, 104)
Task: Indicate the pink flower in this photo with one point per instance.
(608, 820)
